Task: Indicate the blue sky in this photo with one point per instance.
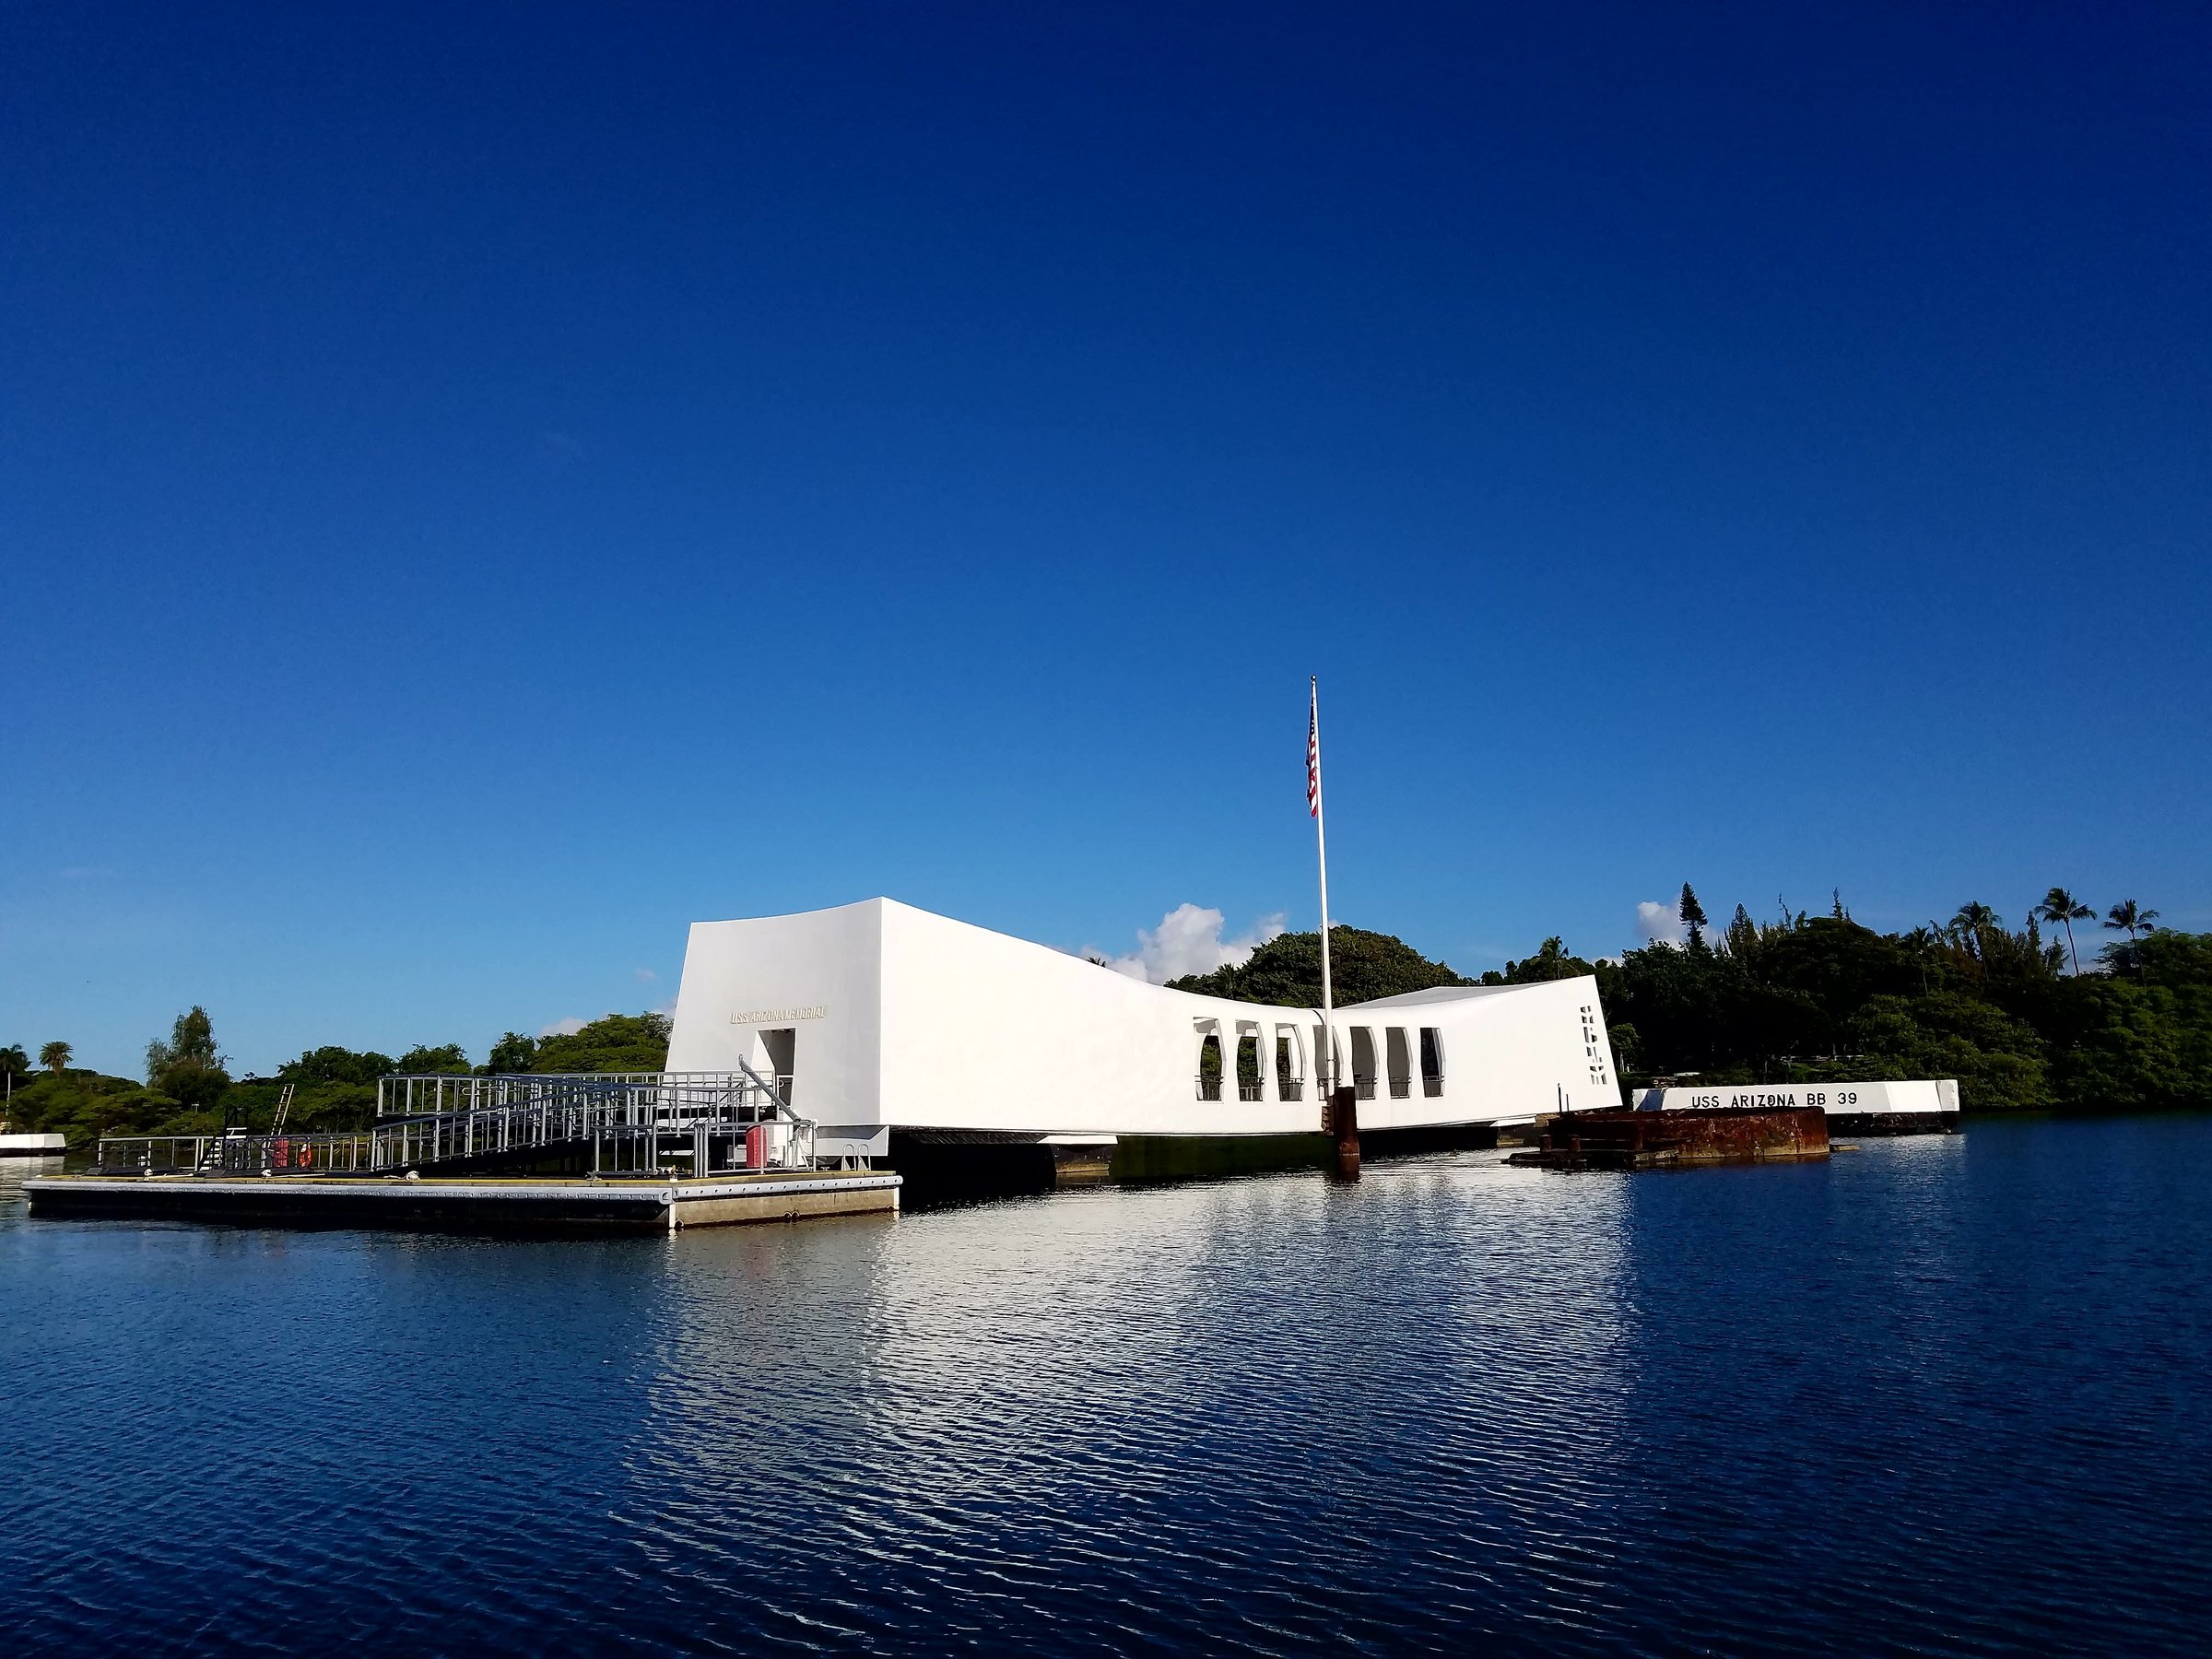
(483, 487)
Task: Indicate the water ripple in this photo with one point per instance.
(1937, 1396)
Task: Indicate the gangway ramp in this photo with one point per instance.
(607, 1123)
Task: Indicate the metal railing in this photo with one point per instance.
(154, 1153)
(1291, 1088)
(1363, 1087)
(1252, 1091)
(1210, 1088)
(235, 1154)
(632, 1122)
(428, 1094)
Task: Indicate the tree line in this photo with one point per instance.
(188, 1088)
(2015, 1015)
(2021, 1020)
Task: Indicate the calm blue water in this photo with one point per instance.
(1940, 1395)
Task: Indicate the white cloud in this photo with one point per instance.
(564, 1027)
(1188, 940)
(1657, 920)
(645, 976)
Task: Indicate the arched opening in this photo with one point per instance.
(1289, 1064)
(1432, 1061)
(1400, 1056)
(1209, 1066)
(1248, 1066)
(1363, 1063)
(1328, 1059)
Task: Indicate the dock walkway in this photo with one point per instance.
(516, 1204)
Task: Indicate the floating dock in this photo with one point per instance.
(1653, 1140)
(633, 1204)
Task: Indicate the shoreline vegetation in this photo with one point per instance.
(2016, 1017)
(188, 1090)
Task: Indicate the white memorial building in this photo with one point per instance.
(884, 1017)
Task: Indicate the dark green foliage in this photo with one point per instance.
(446, 1057)
(2061, 907)
(186, 1068)
(618, 1042)
(1821, 998)
(1286, 971)
(512, 1053)
(1553, 960)
(2130, 915)
(84, 1105)
(333, 1064)
(327, 1105)
(14, 1066)
(1692, 914)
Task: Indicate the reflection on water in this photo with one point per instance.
(1926, 1394)
(1115, 1408)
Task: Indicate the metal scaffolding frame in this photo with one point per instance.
(634, 1123)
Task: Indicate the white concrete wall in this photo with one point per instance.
(1510, 1051)
(985, 1032)
(819, 974)
(919, 1021)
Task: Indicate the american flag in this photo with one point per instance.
(1314, 757)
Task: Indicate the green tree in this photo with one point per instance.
(1973, 925)
(331, 1063)
(1693, 916)
(512, 1052)
(1553, 960)
(1286, 970)
(2061, 907)
(1628, 1050)
(186, 1069)
(55, 1057)
(421, 1060)
(615, 1043)
(2130, 915)
(14, 1066)
(1998, 1061)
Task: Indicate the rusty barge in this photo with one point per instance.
(1619, 1139)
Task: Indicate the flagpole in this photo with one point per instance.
(1321, 847)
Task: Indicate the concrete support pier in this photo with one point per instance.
(472, 1204)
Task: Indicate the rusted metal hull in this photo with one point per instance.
(1648, 1140)
(1340, 1120)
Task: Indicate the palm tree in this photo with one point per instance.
(2059, 906)
(2128, 914)
(55, 1057)
(1974, 918)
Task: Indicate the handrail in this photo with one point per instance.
(630, 1121)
